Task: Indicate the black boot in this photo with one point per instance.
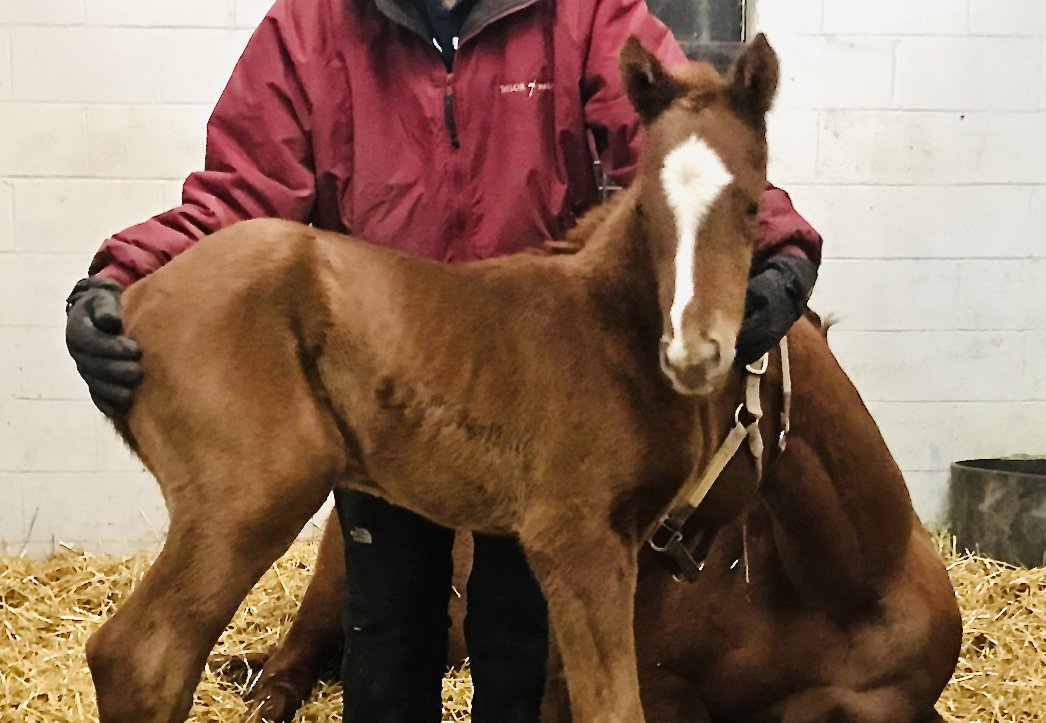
(398, 576)
(507, 633)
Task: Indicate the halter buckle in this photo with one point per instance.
(673, 535)
(673, 546)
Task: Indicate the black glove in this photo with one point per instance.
(107, 360)
(775, 299)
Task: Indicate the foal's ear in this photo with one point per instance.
(650, 87)
(753, 79)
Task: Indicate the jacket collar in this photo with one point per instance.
(484, 12)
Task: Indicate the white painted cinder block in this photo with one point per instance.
(852, 72)
(886, 147)
(10, 361)
(146, 142)
(194, 65)
(895, 17)
(926, 436)
(931, 366)
(1042, 93)
(1035, 365)
(7, 218)
(75, 216)
(113, 454)
(788, 17)
(41, 12)
(952, 73)
(183, 13)
(936, 148)
(45, 369)
(51, 140)
(938, 295)
(863, 221)
(81, 64)
(12, 527)
(47, 436)
(917, 433)
(998, 148)
(845, 290)
(33, 288)
(250, 12)
(1001, 295)
(5, 65)
(1008, 17)
(172, 194)
(792, 137)
(929, 493)
(92, 507)
(906, 131)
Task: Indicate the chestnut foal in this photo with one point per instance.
(554, 398)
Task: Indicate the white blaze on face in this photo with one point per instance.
(693, 176)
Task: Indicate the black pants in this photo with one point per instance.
(398, 576)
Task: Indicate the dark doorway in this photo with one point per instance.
(707, 29)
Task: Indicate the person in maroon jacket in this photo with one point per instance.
(456, 130)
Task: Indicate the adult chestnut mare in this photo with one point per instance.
(556, 398)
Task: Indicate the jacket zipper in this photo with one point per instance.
(448, 112)
(457, 220)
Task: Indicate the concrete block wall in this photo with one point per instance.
(102, 112)
(910, 133)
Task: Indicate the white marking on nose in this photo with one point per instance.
(693, 176)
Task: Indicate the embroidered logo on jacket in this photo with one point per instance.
(534, 86)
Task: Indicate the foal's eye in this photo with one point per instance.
(753, 209)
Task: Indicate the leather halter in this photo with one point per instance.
(667, 537)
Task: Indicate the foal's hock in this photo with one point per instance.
(557, 398)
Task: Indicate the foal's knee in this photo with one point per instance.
(114, 691)
(131, 681)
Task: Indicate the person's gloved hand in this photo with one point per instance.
(105, 358)
(774, 301)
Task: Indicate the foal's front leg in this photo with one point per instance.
(588, 576)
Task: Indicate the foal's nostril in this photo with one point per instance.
(662, 354)
(715, 352)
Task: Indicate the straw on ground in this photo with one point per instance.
(49, 608)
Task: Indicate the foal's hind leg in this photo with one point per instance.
(237, 493)
(588, 576)
(146, 661)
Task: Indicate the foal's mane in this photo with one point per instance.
(577, 237)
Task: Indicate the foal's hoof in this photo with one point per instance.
(275, 702)
(243, 670)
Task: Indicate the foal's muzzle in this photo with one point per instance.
(697, 367)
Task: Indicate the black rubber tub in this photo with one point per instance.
(998, 508)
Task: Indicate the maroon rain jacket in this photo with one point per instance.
(341, 113)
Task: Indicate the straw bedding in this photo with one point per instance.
(49, 608)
